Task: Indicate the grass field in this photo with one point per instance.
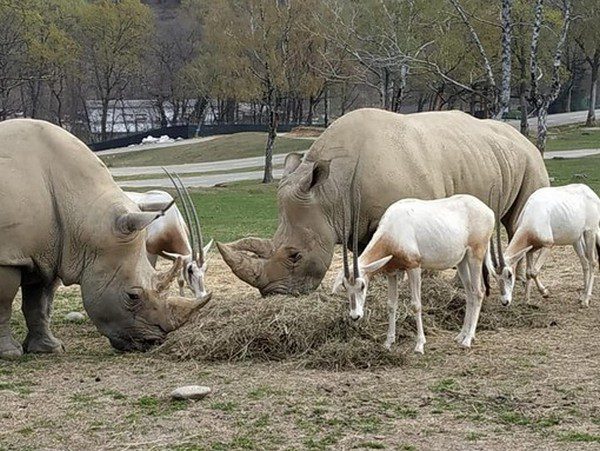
(572, 137)
(239, 145)
(517, 388)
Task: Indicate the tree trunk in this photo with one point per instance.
(506, 59)
(104, 119)
(591, 117)
(542, 127)
(271, 135)
(523, 108)
(326, 107)
(311, 110)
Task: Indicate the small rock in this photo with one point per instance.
(75, 317)
(190, 392)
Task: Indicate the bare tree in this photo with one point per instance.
(541, 98)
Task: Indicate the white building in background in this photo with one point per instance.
(135, 115)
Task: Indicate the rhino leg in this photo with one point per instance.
(10, 279)
(37, 308)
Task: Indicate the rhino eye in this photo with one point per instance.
(295, 257)
(134, 297)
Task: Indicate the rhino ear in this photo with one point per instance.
(318, 175)
(291, 163)
(129, 223)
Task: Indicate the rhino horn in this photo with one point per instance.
(180, 310)
(247, 258)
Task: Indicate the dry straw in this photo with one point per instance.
(316, 331)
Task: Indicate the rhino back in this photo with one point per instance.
(49, 185)
(427, 156)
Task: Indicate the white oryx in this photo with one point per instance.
(558, 216)
(422, 234)
(172, 236)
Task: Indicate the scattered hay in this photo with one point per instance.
(316, 330)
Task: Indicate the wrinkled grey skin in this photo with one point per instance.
(63, 217)
(425, 155)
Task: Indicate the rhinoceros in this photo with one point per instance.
(425, 156)
(62, 217)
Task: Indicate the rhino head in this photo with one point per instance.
(297, 258)
(124, 296)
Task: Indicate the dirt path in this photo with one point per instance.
(516, 389)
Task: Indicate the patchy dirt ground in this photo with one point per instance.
(517, 388)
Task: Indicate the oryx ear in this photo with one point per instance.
(318, 175)
(376, 265)
(291, 162)
(128, 223)
(338, 283)
(174, 256)
(206, 248)
(518, 256)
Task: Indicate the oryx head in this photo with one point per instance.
(195, 264)
(504, 267)
(354, 283)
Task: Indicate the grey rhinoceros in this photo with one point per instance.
(63, 217)
(425, 155)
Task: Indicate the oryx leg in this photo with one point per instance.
(414, 281)
(10, 279)
(534, 265)
(477, 294)
(590, 253)
(580, 249)
(465, 277)
(37, 308)
(392, 305)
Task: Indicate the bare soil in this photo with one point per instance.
(517, 388)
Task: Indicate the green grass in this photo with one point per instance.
(563, 171)
(239, 145)
(572, 137)
(574, 436)
(240, 209)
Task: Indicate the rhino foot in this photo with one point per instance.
(10, 348)
(43, 345)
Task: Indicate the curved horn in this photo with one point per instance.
(199, 239)
(492, 247)
(345, 247)
(186, 212)
(500, 254)
(164, 279)
(249, 268)
(355, 212)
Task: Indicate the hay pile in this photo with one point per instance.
(316, 331)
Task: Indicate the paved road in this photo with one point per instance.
(213, 166)
(199, 180)
(571, 153)
(558, 119)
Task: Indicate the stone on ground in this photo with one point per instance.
(190, 392)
